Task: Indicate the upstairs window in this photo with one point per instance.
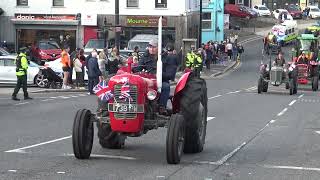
(161, 3)
(22, 2)
(132, 3)
(58, 3)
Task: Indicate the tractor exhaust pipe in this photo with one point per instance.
(159, 62)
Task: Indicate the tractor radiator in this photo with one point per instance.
(134, 95)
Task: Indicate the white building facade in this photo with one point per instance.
(26, 21)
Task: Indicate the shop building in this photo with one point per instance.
(26, 21)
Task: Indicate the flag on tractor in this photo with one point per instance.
(103, 91)
(125, 92)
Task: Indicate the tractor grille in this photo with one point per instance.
(276, 76)
(133, 93)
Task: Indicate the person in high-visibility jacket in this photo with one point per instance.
(194, 61)
(21, 73)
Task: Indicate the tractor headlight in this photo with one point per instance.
(290, 68)
(152, 94)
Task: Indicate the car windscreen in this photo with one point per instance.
(97, 44)
(293, 8)
(142, 45)
(48, 45)
(32, 64)
(3, 52)
(305, 44)
(315, 10)
(263, 8)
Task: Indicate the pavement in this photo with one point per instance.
(250, 136)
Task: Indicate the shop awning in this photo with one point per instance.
(45, 22)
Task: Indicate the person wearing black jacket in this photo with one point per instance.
(94, 72)
(169, 68)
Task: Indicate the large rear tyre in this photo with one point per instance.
(291, 84)
(193, 106)
(109, 139)
(82, 134)
(175, 139)
(315, 83)
(265, 86)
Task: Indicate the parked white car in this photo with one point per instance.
(314, 12)
(97, 44)
(8, 72)
(56, 66)
(277, 12)
(262, 10)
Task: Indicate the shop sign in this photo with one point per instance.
(89, 19)
(145, 21)
(49, 17)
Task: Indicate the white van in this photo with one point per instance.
(141, 40)
(286, 32)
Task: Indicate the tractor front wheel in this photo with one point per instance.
(260, 85)
(82, 134)
(175, 139)
(315, 83)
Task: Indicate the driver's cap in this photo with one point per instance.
(153, 43)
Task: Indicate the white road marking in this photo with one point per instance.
(282, 112)
(301, 96)
(40, 144)
(272, 121)
(12, 170)
(228, 156)
(53, 97)
(47, 100)
(162, 177)
(235, 92)
(61, 172)
(252, 88)
(292, 168)
(107, 156)
(63, 97)
(74, 96)
(318, 132)
(215, 96)
(207, 162)
(22, 103)
(83, 95)
(292, 102)
(210, 118)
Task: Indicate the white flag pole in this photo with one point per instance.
(159, 62)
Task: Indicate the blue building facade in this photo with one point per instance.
(213, 21)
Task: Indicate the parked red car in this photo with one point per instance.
(239, 11)
(45, 50)
(294, 11)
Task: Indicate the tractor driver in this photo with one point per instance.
(279, 61)
(302, 59)
(149, 63)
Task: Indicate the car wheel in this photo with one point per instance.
(41, 81)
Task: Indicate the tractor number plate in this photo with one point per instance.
(125, 108)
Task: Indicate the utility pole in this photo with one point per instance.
(200, 25)
(117, 24)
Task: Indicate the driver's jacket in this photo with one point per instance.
(272, 39)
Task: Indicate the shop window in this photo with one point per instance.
(1, 62)
(161, 3)
(239, 1)
(206, 20)
(58, 3)
(22, 2)
(132, 3)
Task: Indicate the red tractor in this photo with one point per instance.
(133, 111)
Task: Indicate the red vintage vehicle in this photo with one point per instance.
(308, 74)
(133, 111)
(45, 50)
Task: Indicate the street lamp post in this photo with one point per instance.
(200, 25)
(117, 22)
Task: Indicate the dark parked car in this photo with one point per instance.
(294, 11)
(45, 50)
(240, 11)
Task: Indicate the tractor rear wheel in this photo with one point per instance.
(109, 139)
(291, 84)
(175, 139)
(265, 86)
(195, 116)
(82, 134)
(315, 83)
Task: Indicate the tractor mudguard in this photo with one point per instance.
(180, 86)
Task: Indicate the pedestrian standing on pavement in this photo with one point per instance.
(78, 68)
(102, 61)
(209, 54)
(229, 48)
(114, 62)
(83, 61)
(94, 72)
(235, 51)
(240, 51)
(21, 73)
(65, 60)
